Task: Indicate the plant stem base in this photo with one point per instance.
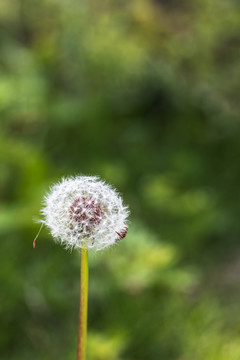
(82, 327)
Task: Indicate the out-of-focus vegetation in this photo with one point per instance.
(146, 95)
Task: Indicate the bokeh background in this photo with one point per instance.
(145, 94)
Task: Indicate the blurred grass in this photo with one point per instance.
(144, 94)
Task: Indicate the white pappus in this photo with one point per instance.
(84, 212)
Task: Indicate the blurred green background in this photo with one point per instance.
(144, 94)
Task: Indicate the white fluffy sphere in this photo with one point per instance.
(84, 212)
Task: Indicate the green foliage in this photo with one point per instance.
(145, 94)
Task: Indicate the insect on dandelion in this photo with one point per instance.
(84, 213)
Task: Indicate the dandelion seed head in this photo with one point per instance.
(84, 212)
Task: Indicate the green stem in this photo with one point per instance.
(82, 327)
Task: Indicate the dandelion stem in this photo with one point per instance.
(82, 326)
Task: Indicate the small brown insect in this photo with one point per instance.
(122, 233)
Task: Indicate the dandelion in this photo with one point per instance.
(84, 213)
